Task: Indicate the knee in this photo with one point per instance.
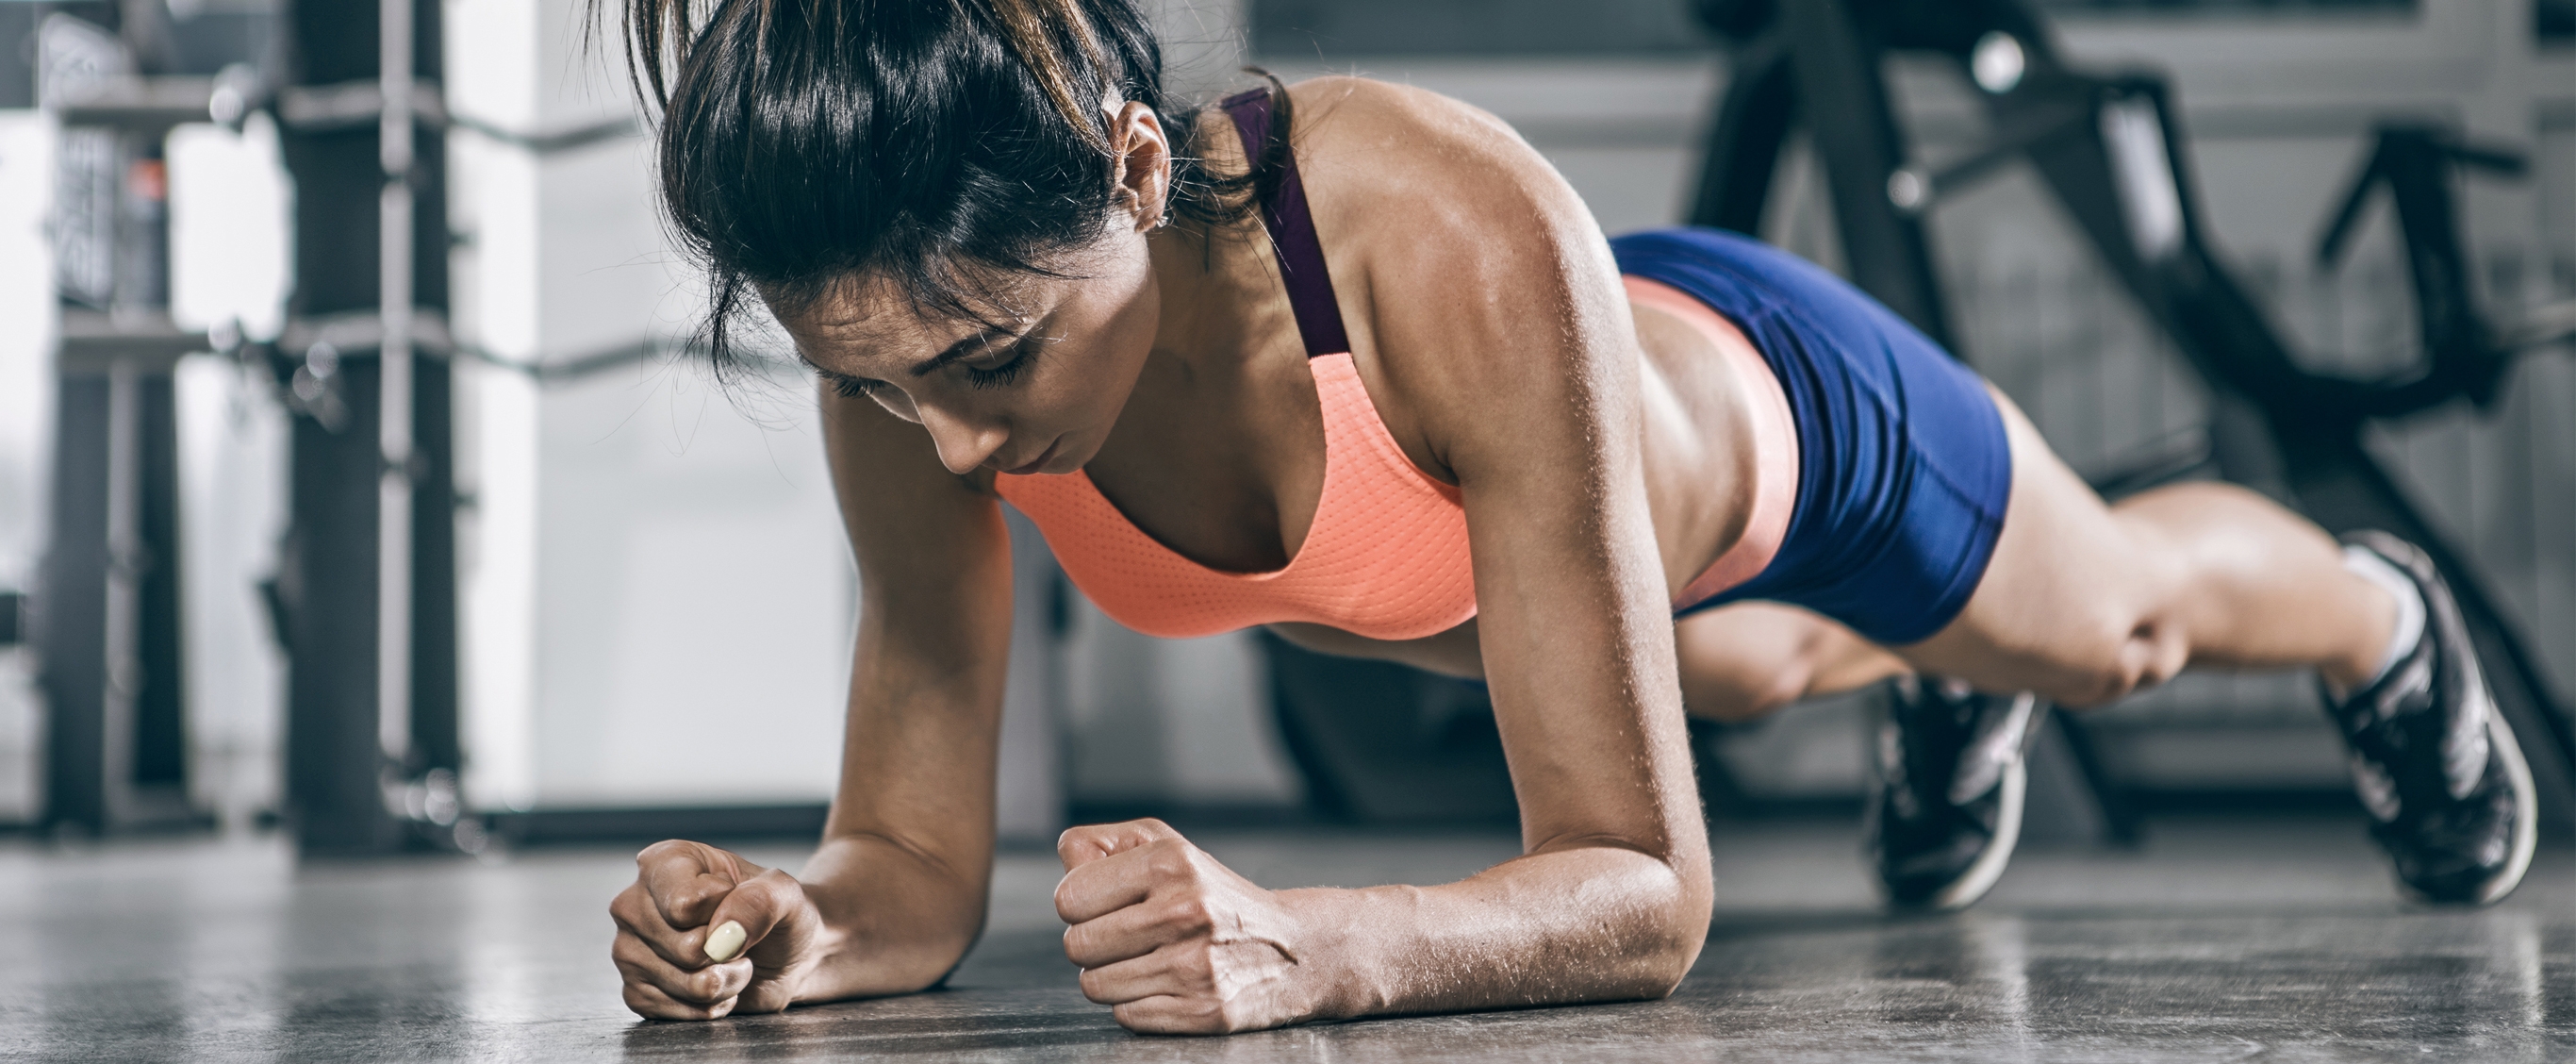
(1747, 663)
(2131, 654)
(1740, 696)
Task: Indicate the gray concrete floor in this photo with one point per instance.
(2272, 940)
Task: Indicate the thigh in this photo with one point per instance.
(1742, 661)
(2073, 601)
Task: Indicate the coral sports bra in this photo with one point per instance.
(1386, 557)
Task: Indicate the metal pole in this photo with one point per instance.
(394, 428)
(123, 674)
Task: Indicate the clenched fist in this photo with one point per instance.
(1174, 942)
(702, 933)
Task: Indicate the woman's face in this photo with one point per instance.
(1035, 390)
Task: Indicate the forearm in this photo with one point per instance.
(896, 918)
(1589, 923)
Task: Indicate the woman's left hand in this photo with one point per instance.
(1174, 942)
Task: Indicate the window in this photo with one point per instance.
(1336, 28)
(1339, 28)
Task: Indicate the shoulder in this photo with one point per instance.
(1400, 141)
(1349, 104)
(1474, 257)
(1430, 195)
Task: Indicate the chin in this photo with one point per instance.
(1072, 460)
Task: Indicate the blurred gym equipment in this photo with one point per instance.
(365, 595)
(108, 630)
(2112, 151)
(364, 599)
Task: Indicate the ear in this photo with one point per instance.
(1141, 162)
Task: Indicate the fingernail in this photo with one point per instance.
(725, 941)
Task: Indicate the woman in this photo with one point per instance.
(1351, 361)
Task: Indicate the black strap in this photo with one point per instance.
(1292, 232)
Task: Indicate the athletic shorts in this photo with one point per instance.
(1903, 467)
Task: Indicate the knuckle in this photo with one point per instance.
(1192, 913)
(663, 851)
(774, 890)
(643, 1002)
(1171, 860)
(627, 948)
(689, 905)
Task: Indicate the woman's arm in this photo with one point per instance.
(897, 891)
(1502, 346)
(902, 876)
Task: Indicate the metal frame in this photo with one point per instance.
(106, 616)
(366, 593)
(2112, 152)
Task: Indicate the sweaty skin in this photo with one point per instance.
(1601, 451)
(1490, 328)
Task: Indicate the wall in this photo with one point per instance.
(658, 602)
(27, 323)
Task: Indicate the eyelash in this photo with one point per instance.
(1000, 376)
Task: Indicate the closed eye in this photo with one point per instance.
(848, 387)
(1023, 354)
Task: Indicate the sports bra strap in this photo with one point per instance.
(1292, 232)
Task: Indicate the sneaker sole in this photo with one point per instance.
(2526, 801)
(2526, 814)
(1989, 867)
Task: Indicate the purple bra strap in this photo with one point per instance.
(1292, 233)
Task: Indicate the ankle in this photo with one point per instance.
(2403, 629)
(2346, 675)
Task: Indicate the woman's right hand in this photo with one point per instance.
(702, 933)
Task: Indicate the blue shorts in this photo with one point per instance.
(1903, 467)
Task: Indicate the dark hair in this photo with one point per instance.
(806, 142)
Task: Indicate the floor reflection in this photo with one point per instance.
(206, 952)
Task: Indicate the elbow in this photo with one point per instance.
(1654, 922)
(1685, 934)
(1673, 931)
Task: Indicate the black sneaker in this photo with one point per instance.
(1946, 791)
(2449, 795)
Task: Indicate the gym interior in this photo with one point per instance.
(380, 567)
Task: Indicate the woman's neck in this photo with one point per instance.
(1208, 285)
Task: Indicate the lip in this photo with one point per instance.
(1040, 462)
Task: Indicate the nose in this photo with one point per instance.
(963, 442)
